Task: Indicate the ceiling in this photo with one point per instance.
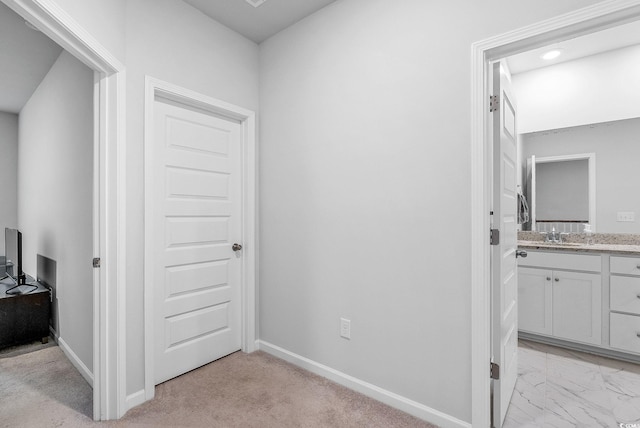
(26, 56)
(258, 23)
(591, 44)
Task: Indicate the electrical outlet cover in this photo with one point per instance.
(255, 3)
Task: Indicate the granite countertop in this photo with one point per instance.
(578, 247)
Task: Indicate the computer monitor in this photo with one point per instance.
(13, 248)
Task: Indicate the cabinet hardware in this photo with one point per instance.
(236, 247)
(549, 279)
(638, 334)
(638, 266)
(557, 279)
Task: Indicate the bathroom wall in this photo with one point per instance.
(594, 89)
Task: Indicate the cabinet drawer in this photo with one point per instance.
(625, 294)
(624, 332)
(625, 265)
(585, 262)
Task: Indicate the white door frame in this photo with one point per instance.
(158, 88)
(602, 15)
(109, 376)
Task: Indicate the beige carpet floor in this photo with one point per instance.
(42, 389)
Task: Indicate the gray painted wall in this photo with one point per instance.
(364, 189)
(364, 173)
(617, 148)
(8, 174)
(55, 205)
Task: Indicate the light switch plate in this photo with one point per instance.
(627, 216)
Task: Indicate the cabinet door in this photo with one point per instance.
(534, 300)
(577, 306)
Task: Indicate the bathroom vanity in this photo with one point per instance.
(580, 296)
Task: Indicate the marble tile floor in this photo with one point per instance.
(558, 387)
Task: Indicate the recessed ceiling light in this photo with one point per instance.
(552, 54)
(255, 3)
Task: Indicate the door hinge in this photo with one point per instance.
(494, 371)
(494, 103)
(96, 262)
(494, 236)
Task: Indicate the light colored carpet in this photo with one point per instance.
(241, 390)
(42, 389)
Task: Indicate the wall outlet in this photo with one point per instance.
(629, 216)
(345, 328)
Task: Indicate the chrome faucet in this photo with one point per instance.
(554, 236)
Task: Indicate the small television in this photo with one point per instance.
(13, 248)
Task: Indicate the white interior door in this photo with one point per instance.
(504, 268)
(196, 220)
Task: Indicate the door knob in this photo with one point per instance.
(521, 253)
(236, 247)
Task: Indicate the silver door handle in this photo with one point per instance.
(236, 247)
(521, 253)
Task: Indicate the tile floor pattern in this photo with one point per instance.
(558, 387)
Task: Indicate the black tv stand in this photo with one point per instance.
(20, 290)
(24, 317)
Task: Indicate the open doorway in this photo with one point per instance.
(571, 360)
(109, 195)
(48, 148)
(553, 31)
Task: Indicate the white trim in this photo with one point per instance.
(591, 158)
(387, 397)
(135, 399)
(602, 15)
(76, 361)
(153, 88)
(109, 353)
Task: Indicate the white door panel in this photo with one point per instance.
(504, 267)
(196, 219)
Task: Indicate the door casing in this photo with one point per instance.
(157, 88)
(597, 17)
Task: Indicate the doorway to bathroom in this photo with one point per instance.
(486, 53)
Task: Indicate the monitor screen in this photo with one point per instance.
(13, 248)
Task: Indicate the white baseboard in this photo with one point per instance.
(392, 399)
(134, 400)
(77, 363)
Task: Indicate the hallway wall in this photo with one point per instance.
(364, 190)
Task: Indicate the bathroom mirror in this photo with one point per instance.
(583, 174)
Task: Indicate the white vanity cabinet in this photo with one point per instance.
(560, 295)
(535, 300)
(624, 304)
